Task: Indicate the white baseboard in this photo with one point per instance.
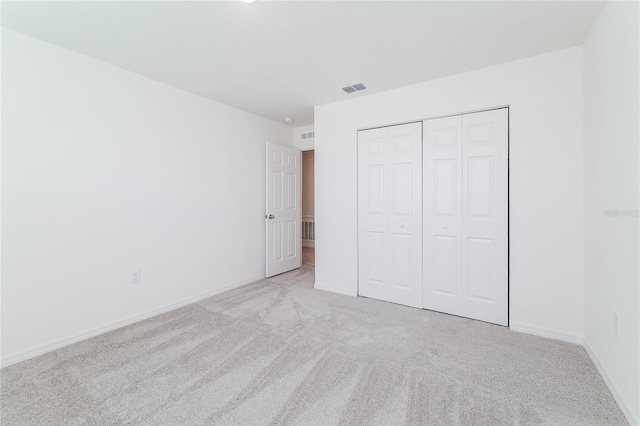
(65, 341)
(620, 399)
(333, 289)
(546, 332)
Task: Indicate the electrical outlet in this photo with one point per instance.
(135, 276)
(616, 323)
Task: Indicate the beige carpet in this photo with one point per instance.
(280, 352)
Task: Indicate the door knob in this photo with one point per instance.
(402, 225)
(444, 226)
(269, 217)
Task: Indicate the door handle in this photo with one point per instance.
(269, 217)
(444, 226)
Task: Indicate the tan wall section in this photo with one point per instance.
(308, 207)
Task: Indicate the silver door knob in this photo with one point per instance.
(269, 217)
(402, 225)
(444, 226)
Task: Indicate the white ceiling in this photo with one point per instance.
(278, 59)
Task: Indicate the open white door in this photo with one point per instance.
(284, 209)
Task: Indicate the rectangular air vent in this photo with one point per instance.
(308, 135)
(354, 88)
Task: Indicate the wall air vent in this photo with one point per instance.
(354, 88)
(308, 135)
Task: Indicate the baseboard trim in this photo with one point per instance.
(75, 338)
(619, 398)
(546, 332)
(333, 289)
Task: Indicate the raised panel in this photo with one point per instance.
(375, 186)
(402, 144)
(291, 191)
(375, 240)
(278, 158)
(401, 188)
(479, 268)
(291, 160)
(444, 191)
(278, 238)
(401, 259)
(375, 146)
(445, 138)
(481, 134)
(444, 264)
(276, 203)
(481, 186)
(291, 238)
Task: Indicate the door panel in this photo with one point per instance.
(401, 260)
(390, 214)
(376, 190)
(485, 216)
(480, 185)
(445, 265)
(293, 236)
(276, 196)
(445, 183)
(401, 189)
(479, 263)
(375, 248)
(291, 191)
(465, 215)
(283, 212)
(442, 214)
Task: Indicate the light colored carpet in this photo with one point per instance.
(280, 352)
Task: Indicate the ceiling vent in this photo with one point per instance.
(354, 88)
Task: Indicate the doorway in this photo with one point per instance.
(308, 208)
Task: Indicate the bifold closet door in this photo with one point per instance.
(390, 214)
(466, 215)
(443, 215)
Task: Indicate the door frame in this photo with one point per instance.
(508, 108)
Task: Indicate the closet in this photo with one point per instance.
(433, 214)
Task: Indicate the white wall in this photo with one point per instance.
(104, 171)
(546, 230)
(612, 182)
(303, 144)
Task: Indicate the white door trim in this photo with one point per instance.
(435, 117)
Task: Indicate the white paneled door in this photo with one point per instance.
(466, 215)
(443, 214)
(284, 209)
(390, 214)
